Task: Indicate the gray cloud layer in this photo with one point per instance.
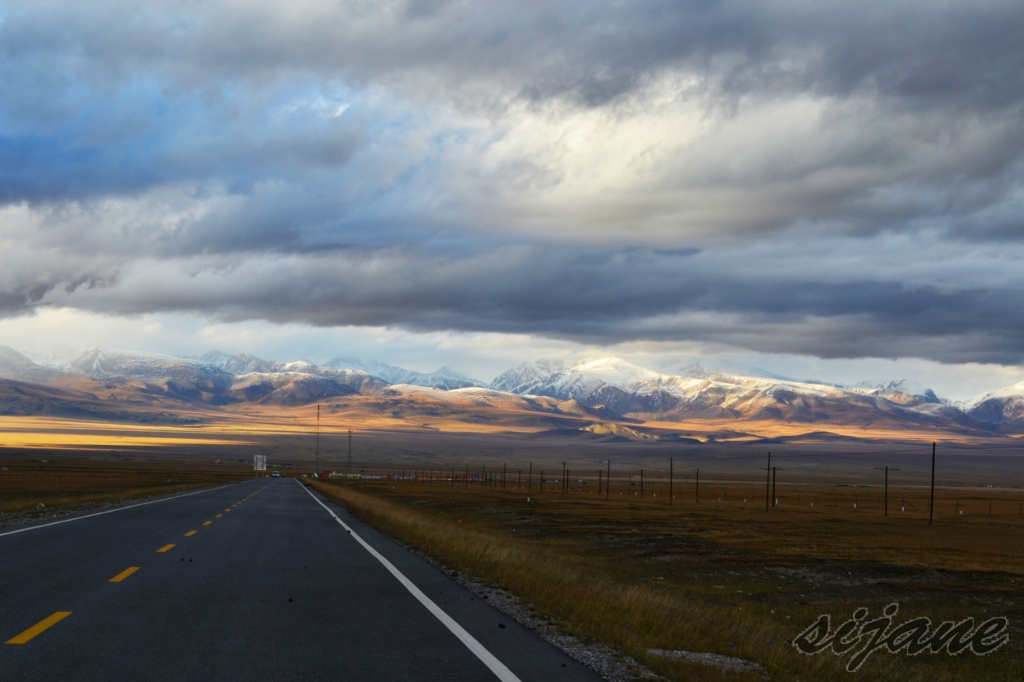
(841, 181)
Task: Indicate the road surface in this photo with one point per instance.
(255, 581)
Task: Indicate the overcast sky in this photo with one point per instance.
(820, 190)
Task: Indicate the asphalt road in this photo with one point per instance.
(270, 586)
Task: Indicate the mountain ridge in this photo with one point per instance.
(600, 388)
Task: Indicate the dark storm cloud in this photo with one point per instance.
(110, 96)
(592, 296)
(966, 53)
(596, 172)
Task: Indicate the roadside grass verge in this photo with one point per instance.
(564, 559)
(31, 490)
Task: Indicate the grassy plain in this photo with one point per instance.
(70, 480)
(722, 575)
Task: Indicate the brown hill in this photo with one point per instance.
(19, 398)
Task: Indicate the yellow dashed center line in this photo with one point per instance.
(218, 516)
(124, 574)
(57, 617)
(39, 627)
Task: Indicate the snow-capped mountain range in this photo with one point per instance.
(633, 391)
(445, 378)
(604, 386)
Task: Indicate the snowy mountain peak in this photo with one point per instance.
(695, 370)
(517, 380)
(243, 363)
(1007, 393)
(12, 358)
(444, 378)
(103, 365)
(615, 371)
(904, 386)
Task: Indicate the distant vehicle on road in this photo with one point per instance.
(276, 474)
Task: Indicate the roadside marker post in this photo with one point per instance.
(608, 484)
(887, 470)
(670, 481)
(931, 502)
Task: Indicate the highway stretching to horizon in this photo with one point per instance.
(263, 580)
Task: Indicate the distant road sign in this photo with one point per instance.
(259, 462)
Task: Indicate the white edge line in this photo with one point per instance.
(488, 659)
(111, 511)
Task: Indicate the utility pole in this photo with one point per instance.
(529, 484)
(563, 479)
(608, 481)
(350, 451)
(887, 470)
(318, 440)
(670, 481)
(931, 503)
(767, 481)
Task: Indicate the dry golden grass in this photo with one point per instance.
(720, 577)
(71, 482)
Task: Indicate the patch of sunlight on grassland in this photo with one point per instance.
(74, 441)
